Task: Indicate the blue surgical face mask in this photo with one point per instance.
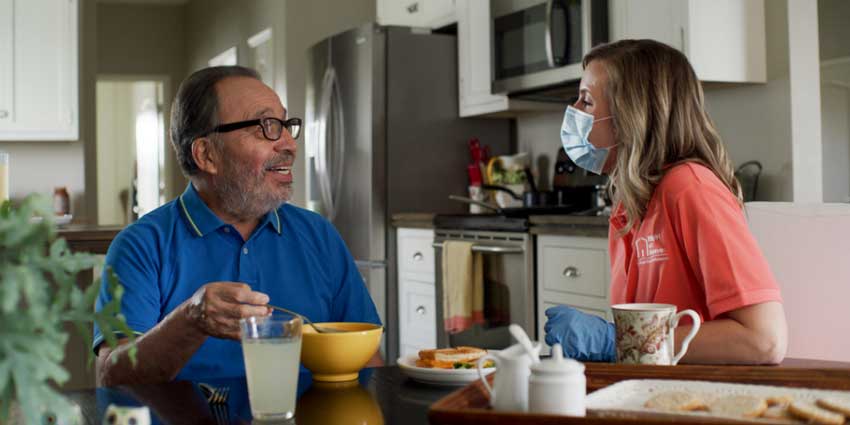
(574, 133)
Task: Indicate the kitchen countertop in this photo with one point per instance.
(414, 220)
(568, 225)
(89, 238)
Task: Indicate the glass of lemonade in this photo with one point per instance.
(272, 349)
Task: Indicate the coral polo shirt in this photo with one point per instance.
(693, 249)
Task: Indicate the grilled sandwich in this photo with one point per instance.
(451, 358)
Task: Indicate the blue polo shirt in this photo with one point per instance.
(294, 255)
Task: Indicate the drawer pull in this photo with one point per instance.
(4, 113)
(418, 256)
(572, 272)
(420, 310)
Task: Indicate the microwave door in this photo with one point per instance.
(543, 45)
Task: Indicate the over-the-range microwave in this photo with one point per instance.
(538, 44)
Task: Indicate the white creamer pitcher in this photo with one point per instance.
(510, 385)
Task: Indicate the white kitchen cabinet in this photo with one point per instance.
(723, 39)
(474, 61)
(416, 291)
(416, 13)
(575, 271)
(39, 70)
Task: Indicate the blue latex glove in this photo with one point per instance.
(583, 336)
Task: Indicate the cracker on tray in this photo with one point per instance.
(814, 414)
(675, 400)
(779, 400)
(777, 412)
(836, 405)
(739, 405)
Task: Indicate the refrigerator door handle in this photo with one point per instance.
(322, 149)
(331, 143)
(339, 140)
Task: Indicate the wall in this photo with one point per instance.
(145, 41)
(753, 119)
(834, 33)
(216, 25)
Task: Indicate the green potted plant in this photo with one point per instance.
(38, 295)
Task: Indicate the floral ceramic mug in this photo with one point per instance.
(645, 333)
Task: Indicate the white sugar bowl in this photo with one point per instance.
(557, 386)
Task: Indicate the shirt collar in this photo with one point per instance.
(201, 220)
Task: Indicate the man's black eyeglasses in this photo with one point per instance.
(272, 127)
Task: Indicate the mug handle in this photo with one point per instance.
(674, 321)
(481, 375)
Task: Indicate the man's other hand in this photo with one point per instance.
(216, 308)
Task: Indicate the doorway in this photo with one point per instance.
(130, 148)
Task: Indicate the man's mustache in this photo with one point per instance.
(287, 157)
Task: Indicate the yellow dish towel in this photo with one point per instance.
(463, 286)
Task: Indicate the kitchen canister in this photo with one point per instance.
(557, 386)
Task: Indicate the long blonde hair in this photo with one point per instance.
(659, 120)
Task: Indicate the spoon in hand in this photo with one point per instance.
(319, 329)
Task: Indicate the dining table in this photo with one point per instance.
(380, 395)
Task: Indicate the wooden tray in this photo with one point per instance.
(469, 405)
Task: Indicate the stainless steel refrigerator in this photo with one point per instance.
(384, 137)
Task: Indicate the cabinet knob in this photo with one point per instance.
(4, 113)
(420, 310)
(571, 271)
(418, 256)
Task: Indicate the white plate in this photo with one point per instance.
(630, 396)
(439, 376)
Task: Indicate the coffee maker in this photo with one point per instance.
(578, 187)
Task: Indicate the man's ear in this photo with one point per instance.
(205, 154)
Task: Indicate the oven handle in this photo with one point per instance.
(491, 249)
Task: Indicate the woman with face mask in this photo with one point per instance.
(678, 234)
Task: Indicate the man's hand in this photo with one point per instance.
(215, 308)
(583, 336)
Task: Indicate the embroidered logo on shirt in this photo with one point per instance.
(649, 249)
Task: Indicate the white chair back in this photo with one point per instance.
(808, 249)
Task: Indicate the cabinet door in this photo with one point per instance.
(660, 20)
(7, 63)
(440, 13)
(723, 39)
(417, 314)
(474, 60)
(408, 13)
(416, 254)
(44, 72)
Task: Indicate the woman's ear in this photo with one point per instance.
(206, 155)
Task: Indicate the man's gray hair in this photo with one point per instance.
(194, 112)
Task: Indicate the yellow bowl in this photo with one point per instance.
(336, 357)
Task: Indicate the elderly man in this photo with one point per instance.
(229, 245)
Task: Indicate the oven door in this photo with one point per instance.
(508, 288)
